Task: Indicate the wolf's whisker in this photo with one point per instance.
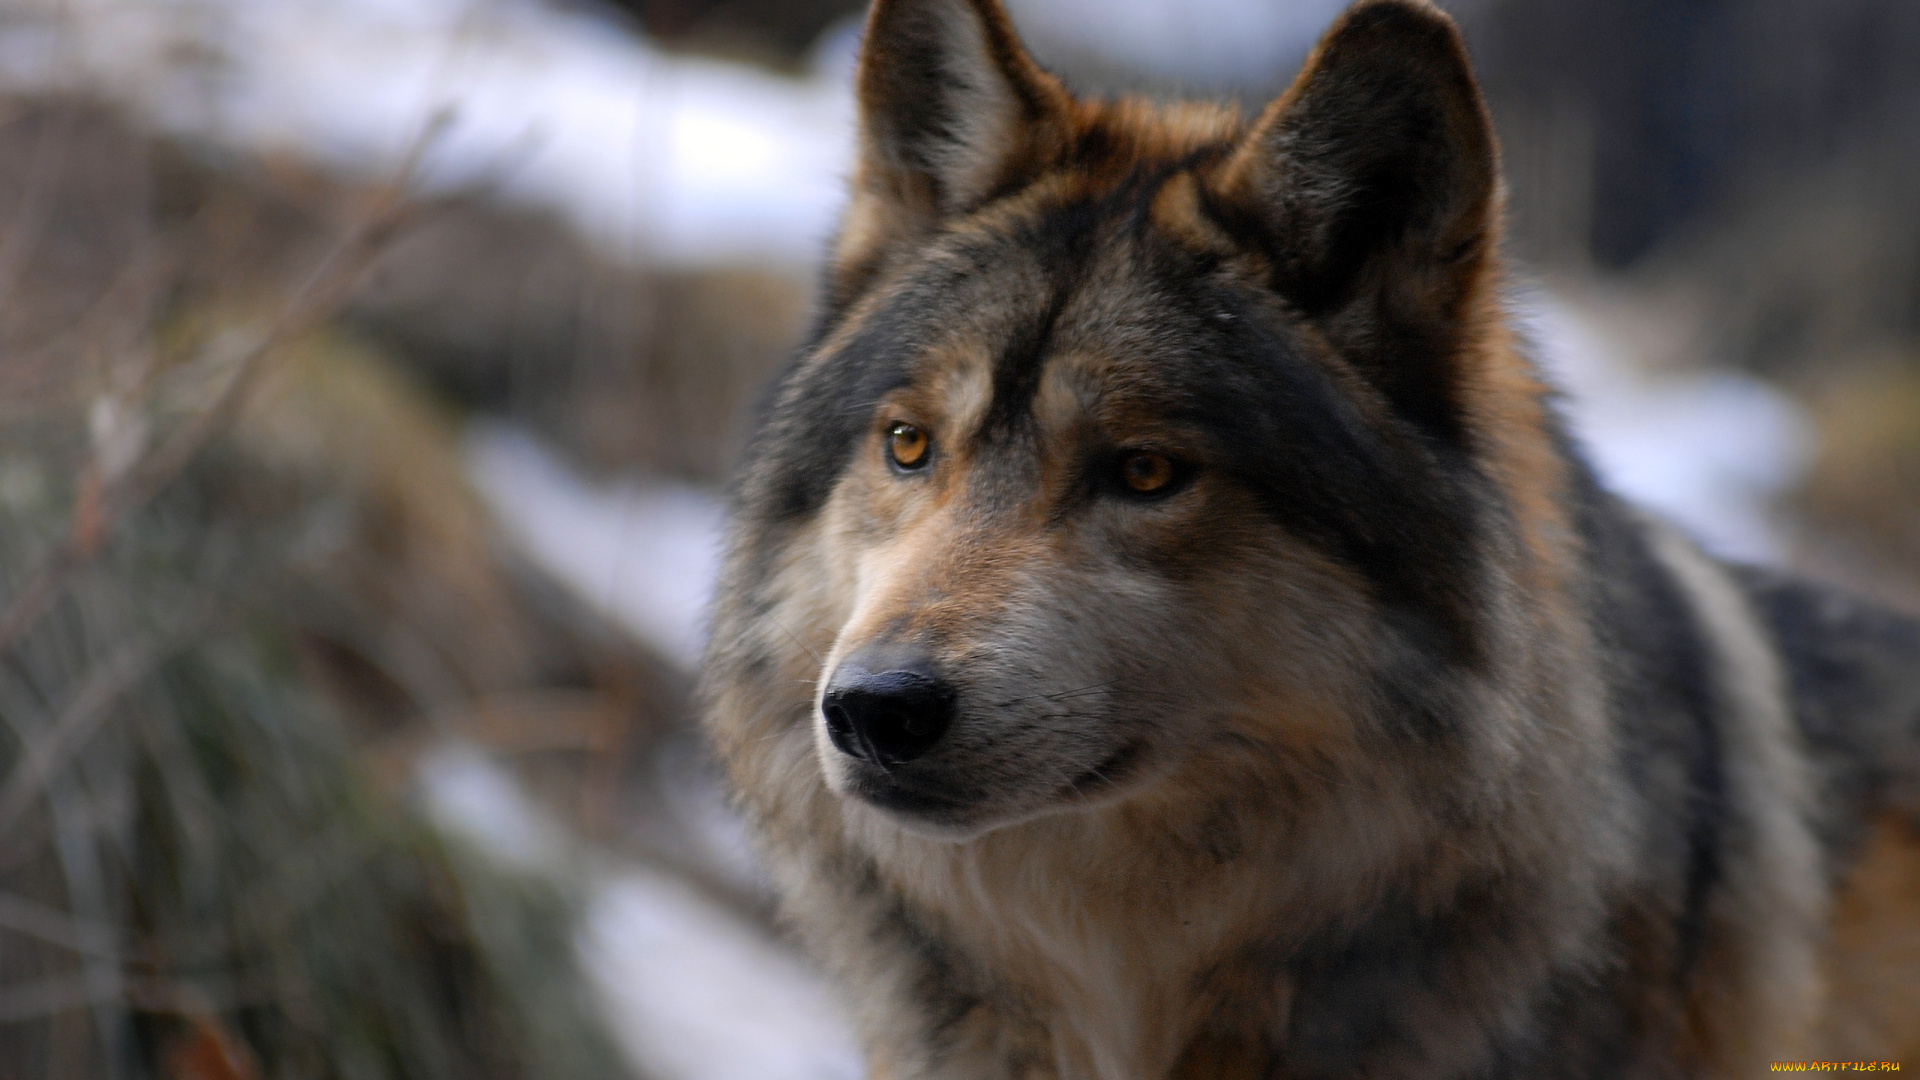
(795, 638)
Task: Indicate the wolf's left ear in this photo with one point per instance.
(1374, 181)
(951, 109)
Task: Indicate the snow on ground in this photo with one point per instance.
(699, 995)
(653, 157)
(690, 990)
(1710, 451)
(468, 796)
(645, 554)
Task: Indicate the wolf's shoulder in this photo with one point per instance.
(1853, 675)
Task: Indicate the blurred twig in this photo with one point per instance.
(55, 927)
(45, 755)
(108, 493)
(53, 994)
(30, 216)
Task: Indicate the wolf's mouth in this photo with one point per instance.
(938, 800)
(888, 791)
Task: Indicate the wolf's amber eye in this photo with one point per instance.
(907, 446)
(1146, 473)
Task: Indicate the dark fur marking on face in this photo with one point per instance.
(801, 447)
(821, 411)
(1282, 425)
(1016, 374)
(1290, 433)
(1062, 240)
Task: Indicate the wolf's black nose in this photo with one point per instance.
(886, 717)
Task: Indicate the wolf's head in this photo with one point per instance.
(1133, 439)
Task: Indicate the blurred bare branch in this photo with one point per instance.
(21, 915)
(49, 751)
(110, 489)
(55, 994)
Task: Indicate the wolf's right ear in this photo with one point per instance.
(1381, 148)
(1373, 182)
(951, 109)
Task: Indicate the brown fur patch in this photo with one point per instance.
(1873, 962)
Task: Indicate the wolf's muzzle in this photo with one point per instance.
(890, 716)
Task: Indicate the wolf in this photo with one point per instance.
(1166, 629)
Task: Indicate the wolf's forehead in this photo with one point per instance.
(1054, 390)
(1024, 327)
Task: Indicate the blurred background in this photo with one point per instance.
(370, 369)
